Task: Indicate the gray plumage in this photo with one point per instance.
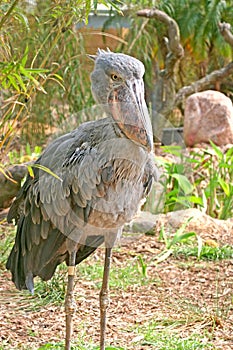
(105, 169)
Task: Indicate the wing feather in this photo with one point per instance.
(48, 209)
(45, 226)
(35, 213)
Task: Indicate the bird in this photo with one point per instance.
(86, 185)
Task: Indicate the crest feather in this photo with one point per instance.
(99, 52)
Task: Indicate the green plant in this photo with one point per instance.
(24, 154)
(205, 253)
(77, 346)
(214, 180)
(7, 238)
(121, 277)
(171, 241)
(39, 46)
(52, 291)
(205, 49)
(179, 192)
(201, 179)
(163, 335)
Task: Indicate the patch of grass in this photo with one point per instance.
(7, 236)
(172, 241)
(206, 253)
(190, 244)
(76, 346)
(168, 339)
(53, 291)
(121, 277)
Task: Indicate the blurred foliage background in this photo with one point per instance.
(44, 70)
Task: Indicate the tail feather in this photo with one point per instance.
(15, 261)
(29, 260)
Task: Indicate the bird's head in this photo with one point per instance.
(117, 83)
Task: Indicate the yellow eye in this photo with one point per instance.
(115, 77)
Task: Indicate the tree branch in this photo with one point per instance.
(173, 30)
(204, 83)
(225, 31)
(165, 97)
(164, 92)
(217, 75)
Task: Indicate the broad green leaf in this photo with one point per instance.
(20, 81)
(172, 193)
(196, 200)
(25, 72)
(191, 199)
(176, 150)
(181, 200)
(184, 183)
(13, 83)
(229, 153)
(225, 186)
(164, 256)
(217, 150)
(182, 237)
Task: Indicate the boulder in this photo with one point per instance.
(144, 222)
(208, 116)
(9, 186)
(208, 228)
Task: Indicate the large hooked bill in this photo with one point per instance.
(128, 108)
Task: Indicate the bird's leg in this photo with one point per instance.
(104, 298)
(70, 305)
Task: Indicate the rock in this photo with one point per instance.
(144, 222)
(9, 188)
(172, 135)
(155, 201)
(208, 116)
(202, 224)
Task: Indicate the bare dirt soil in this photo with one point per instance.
(196, 294)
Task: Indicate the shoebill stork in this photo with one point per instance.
(104, 169)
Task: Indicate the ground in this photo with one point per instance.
(180, 298)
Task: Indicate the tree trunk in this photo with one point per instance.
(165, 97)
(164, 93)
